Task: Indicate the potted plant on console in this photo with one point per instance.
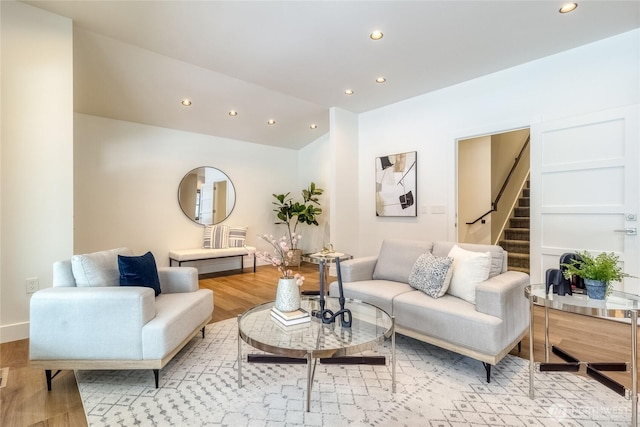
(292, 213)
(597, 271)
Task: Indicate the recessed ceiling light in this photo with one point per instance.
(314, 126)
(569, 7)
(186, 102)
(381, 80)
(233, 113)
(348, 92)
(376, 35)
(271, 122)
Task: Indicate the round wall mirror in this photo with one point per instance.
(206, 195)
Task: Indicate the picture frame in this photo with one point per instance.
(396, 181)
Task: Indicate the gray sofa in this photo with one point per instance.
(486, 330)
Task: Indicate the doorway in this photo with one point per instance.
(493, 193)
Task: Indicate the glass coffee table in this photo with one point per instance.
(313, 341)
(617, 305)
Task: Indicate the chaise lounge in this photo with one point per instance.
(88, 321)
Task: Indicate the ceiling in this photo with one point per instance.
(291, 61)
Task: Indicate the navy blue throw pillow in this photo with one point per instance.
(139, 271)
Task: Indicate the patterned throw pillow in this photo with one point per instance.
(216, 237)
(431, 274)
(237, 236)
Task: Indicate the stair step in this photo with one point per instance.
(515, 246)
(519, 222)
(516, 234)
(523, 202)
(518, 260)
(525, 192)
(520, 269)
(521, 212)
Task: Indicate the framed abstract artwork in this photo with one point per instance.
(396, 184)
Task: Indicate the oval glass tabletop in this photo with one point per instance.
(370, 326)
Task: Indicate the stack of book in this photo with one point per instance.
(290, 318)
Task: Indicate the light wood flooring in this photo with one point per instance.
(25, 400)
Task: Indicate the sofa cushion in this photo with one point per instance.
(377, 292)
(98, 268)
(431, 274)
(176, 316)
(498, 254)
(450, 319)
(469, 269)
(139, 271)
(237, 236)
(216, 237)
(397, 257)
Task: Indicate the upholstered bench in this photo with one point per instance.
(219, 241)
(203, 254)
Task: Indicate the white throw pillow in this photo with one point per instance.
(431, 274)
(98, 268)
(469, 269)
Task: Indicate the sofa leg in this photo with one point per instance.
(203, 332)
(49, 377)
(520, 347)
(156, 375)
(47, 374)
(487, 368)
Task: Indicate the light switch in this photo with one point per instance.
(437, 209)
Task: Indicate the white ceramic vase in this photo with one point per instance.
(287, 295)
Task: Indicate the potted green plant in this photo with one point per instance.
(597, 271)
(292, 213)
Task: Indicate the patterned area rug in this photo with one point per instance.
(435, 387)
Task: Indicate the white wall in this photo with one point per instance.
(345, 176)
(591, 78)
(314, 166)
(127, 176)
(474, 189)
(36, 166)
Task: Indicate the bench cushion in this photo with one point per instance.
(201, 253)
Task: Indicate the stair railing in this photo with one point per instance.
(494, 205)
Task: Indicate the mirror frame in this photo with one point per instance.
(191, 180)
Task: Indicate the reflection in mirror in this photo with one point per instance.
(206, 195)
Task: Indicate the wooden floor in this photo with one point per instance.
(25, 400)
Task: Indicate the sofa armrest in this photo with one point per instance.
(357, 269)
(174, 280)
(89, 322)
(503, 295)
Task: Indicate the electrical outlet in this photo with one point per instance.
(33, 284)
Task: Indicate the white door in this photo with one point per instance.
(585, 190)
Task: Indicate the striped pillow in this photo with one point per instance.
(216, 237)
(237, 236)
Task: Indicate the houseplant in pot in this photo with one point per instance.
(597, 271)
(293, 213)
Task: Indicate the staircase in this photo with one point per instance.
(515, 238)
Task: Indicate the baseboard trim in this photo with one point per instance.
(14, 332)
